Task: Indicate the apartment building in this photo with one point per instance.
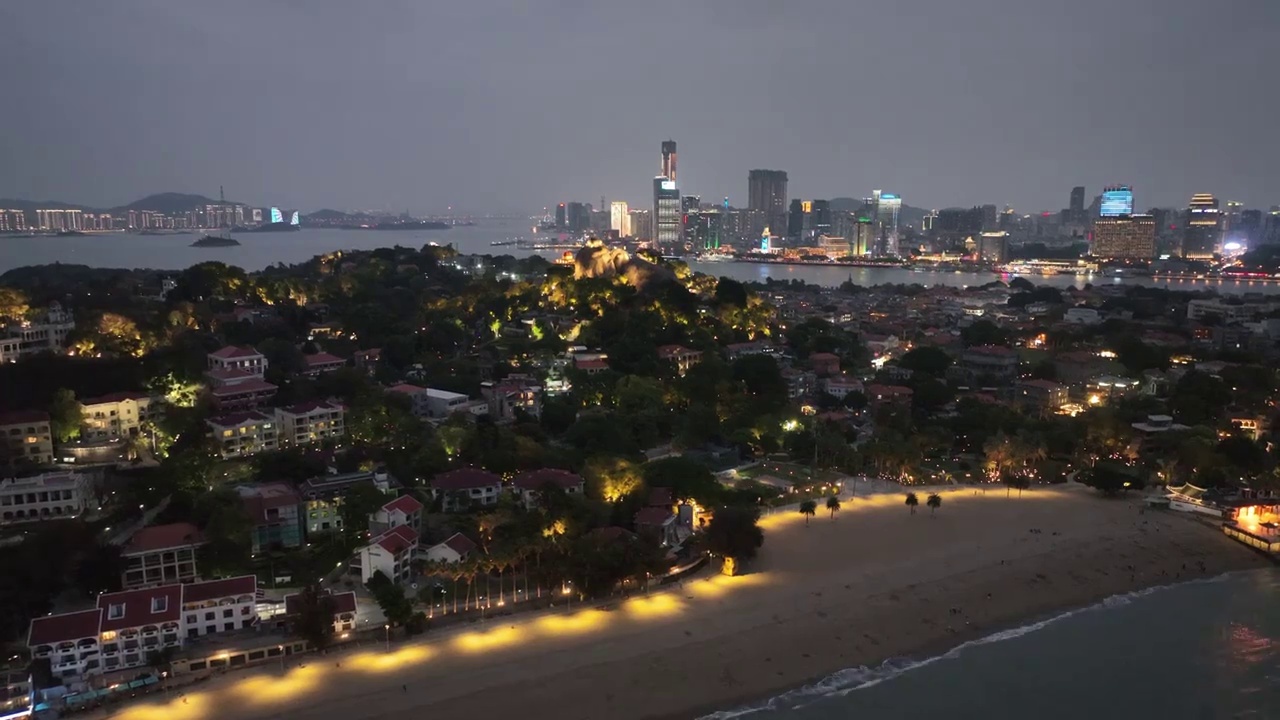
(275, 509)
(49, 496)
(322, 497)
(161, 555)
(310, 422)
(27, 437)
(244, 434)
(46, 333)
(118, 415)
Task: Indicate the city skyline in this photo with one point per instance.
(1015, 121)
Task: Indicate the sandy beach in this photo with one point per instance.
(872, 583)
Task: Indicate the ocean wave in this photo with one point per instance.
(843, 682)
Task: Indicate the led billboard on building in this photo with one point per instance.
(1116, 201)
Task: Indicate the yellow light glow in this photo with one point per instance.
(479, 642)
(575, 624)
(267, 690)
(193, 706)
(653, 606)
(403, 658)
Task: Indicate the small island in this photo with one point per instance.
(215, 241)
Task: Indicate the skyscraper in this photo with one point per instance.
(820, 217)
(562, 220)
(887, 206)
(767, 197)
(1075, 210)
(993, 247)
(669, 160)
(795, 220)
(1203, 227)
(666, 212)
(1124, 237)
(619, 218)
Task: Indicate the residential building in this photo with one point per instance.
(465, 487)
(125, 627)
(27, 437)
(404, 510)
(1080, 366)
(433, 404)
(767, 200)
(390, 553)
(49, 496)
(1255, 427)
(322, 497)
(825, 364)
(680, 356)
(456, 548)
(232, 357)
(1082, 316)
(344, 610)
(1106, 388)
(321, 363)
(657, 522)
(888, 394)
(512, 393)
(1124, 238)
(161, 555)
(117, 415)
(309, 423)
(45, 333)
(276, 513)
(985, 363)
(838, 386)
(244, 434)
(530, 485)
(233, 389)
(1041, 395)
(367, 360)
(1226, 311)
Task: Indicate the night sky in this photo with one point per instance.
(511, 106)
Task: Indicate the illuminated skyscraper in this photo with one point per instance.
(1124, 237)
(669, 160)
(619, 218)
(1203, 227)
(767, 197)
(666, 212)
(993, 247)
(886, 206)
(1116, 200)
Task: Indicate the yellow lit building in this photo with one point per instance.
(1124, 237)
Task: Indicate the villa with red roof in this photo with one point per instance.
(456, 548)
(321, 363)
(232, 357)
(243, 434)
(117, 415)
(682, 357)
(404, 510)
(529, 485)
(235, 378)
(161, 555)
(126, 626)
(390, 553)
(458, 489)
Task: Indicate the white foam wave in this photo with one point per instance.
(845, 681)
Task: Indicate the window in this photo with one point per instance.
(115, 611)
(227, 613)
(159, 604)
(208, 615)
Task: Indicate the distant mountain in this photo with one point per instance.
(326, 215)
(168, 203)
(33, 205)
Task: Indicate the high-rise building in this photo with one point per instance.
(820, 217)
(562, 216)
(864, 237)
(1124, 237)
(666, 212)
(767, 195)
(690, 220)
(577, 217)
(1271, 227)
(1203, 227)
(641, 224)
(669, 160)
(1075, 210)
(619, 218)
(990, 218)
(1117, 200)
(795, 219)
(929, 222)
(887, 206)
(993, 247)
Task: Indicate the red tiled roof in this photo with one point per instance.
(1043, 384)
(163, 537)
(268, 496)
(138, 607)
(115, 397)
(406, 388)
(67, 627)
(406, 504)
(538, 479)
(661, 497)
(397, 539)
(231, 351)
(214, 589)
(460, 544)
(322, 358)
(653, 517)
(238, 419)
(465, 479)
(889, 390)
(591, 364)
(23, 416)
(307, 407)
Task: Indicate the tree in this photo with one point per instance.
(983, 332)
(66, 415)
(807, 509)
(13, 305)
(612, 478)
(934, 502)
(161, 660)
(912, 502)
(730, 292)
(358, 503)
(734, 534)
(927, 360)
(687, 478)
(833, 505)
(314, 619)
(397, 608)
(1111, 479)
(763, 381)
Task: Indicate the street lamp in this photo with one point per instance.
(281, 649)
(387, 628)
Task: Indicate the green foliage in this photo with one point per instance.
(763, 380)
(807, 509)
(314, 620)
(65, 415)
(688, 479)
(390, 597)
(734, 532)
(926, 360)
(1111, 479)
(358, 503)
(983, 332)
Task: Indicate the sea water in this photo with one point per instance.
(1198, 650)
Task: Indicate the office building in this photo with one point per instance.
(887, 206)
(1116, 201)
(1075, 209)
(641, 224)
(562, 219)
(993, 247)
(864, 239)
(1203, 228)
(577, 217)
(620, 218)
(1127, 237)
(1271, 227)
(666, 213)
(767, 198)
(668, 168)
(820, 217)
(795, 220)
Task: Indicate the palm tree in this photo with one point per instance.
(833, 504)
(912, 502)
(807, 509)
(934, 502)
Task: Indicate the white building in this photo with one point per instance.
(455, 549)
(232, 357)
(404, 510)
(27, 436)
(310, 422)
(434, 404)
(1082, 316)
(117, 415)
(45, 334)
(243, 434)
(390, 553)
(44, 497)
(465, 487)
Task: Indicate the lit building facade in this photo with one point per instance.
(666, 212)
(1130, 237)
(767, 198)
(668, 167)
(620, 218)
(1203, 225)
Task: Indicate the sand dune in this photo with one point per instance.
(875, 582)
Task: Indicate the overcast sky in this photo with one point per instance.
(510, 106)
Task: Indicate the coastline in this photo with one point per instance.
(837, 595)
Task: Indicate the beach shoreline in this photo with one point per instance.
(874, 582)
